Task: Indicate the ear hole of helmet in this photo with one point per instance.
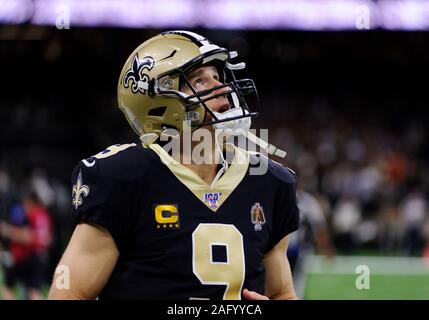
(157, 112)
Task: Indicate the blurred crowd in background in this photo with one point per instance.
(370, 186)
(343, 105)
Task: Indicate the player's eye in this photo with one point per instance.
(198, 83)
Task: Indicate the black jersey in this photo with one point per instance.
(178, 237)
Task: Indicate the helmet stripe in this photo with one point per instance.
(194, 37)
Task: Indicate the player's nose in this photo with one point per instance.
(220, 103)
(222, 88)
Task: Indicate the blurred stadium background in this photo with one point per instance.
(343, 90)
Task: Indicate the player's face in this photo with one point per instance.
(205, 78)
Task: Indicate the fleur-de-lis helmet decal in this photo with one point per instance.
(79, 191)
(139, 80)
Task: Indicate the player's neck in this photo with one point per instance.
(207, 170)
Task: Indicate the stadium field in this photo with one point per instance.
(397, 278)
(389, 278)
(19, 291)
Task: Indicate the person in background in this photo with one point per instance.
(313, 237)
(29, 233)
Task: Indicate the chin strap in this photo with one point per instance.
(148, 138)
(225, 164)
(268, 147)
(241, 126)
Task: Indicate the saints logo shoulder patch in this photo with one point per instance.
(79, 191)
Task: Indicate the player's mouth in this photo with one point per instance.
(224, 107)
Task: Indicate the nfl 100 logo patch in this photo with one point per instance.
(212, 199)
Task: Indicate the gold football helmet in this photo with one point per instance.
(149, 85)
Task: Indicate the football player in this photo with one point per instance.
(154, 226)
